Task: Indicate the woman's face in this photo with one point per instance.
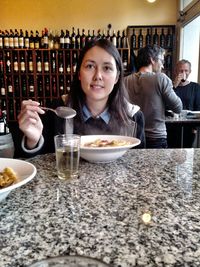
(98, 74)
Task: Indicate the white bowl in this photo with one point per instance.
(24, 170)
(105, 154)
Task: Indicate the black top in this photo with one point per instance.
(190, 96)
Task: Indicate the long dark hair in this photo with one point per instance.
(116, 101)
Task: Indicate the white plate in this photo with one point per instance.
(105, 154)
(24, 170)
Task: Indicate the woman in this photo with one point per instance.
(97, 95)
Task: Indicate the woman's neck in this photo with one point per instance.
(146, 69)
(96, 108)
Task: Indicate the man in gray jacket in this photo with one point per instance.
(153, 91)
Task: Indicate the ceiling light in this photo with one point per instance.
(151, 1)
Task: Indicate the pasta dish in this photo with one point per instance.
(106, 143)
(7, 177)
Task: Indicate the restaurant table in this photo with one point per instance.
(101, 214)
(181, 122)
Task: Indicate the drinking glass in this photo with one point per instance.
(67, 149)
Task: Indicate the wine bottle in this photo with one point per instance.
(162, 38)
(140, 39)
(3, 89)
(155, 37)
(51, 40)
(68, 63)
(9, 87)
(26, 40)
(73, 39)
(148, 38)
(133, 40)
(53, 62)
(31, 86)
(124, 41)
(88, 37)
(99, 34)
(1, 63)
(30, 62)
(78, 39)
(23, 86)
(8, 62)
(169, 39)
(21, 39)
(83, 38)
(39, 86)
(61, 85)
(114, 39)
(125, 60)
(74, 62)
(6, 40)
(62, 40)
(46, 62)
(47, 86)
(39, 63)
(11, 39)
(93, 35)
(16, 86)
(1, 39)
(15, 63)
(108, 37)
(11, 110)
(67, 40)
(22, 63)
(16, 39)
(118, 39)
(32, 41)
(54, 86)
(60, 63)
(37, 40)
(68, 86)
(46, 38)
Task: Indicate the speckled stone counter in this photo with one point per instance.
(100, 214)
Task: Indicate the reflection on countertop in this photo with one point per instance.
(101, 214)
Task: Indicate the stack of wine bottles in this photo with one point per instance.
(58, 40)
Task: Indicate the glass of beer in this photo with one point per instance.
(67, 149)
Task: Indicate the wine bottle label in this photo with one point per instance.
(10, 88)
(1, 42)
(39, 66)
(31, 45)
(27, 42)
(11, 42)
(22, 66)
(30, 64)
(61, 69)
(21, 41)
(37, 45)
(3, 91)
(16, 42)
(114, 41)
(62, 40)
(6, 42)
(67, 41)
(16, 66)
(31, 88)
(46, 40)
(46, 66)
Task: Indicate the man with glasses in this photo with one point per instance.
(153, 91)
(189, 92)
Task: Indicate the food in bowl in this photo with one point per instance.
(107, 143)
(7, 177)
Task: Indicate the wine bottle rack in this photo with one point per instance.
(38, 74)
(162, 35)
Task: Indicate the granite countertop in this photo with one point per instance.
(100, 214)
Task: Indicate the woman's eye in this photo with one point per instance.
(89, 66)
(108, 68)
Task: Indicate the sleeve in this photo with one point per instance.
(171, 100)
(139, 119)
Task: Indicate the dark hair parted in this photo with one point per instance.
(147, 53)
(116, 102)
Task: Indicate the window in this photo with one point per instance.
(189, 33)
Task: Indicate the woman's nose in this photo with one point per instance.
(97, 75)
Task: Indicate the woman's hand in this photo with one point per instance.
(30, 123)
